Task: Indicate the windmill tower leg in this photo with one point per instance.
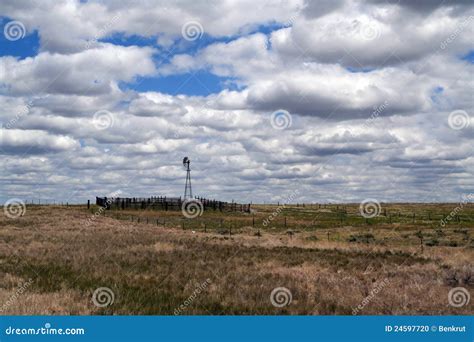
(188, 191)
(190, 187)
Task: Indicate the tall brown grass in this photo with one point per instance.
(154, 270)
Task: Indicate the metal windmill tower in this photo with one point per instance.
(188, 191)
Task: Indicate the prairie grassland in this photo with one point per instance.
(332, 261)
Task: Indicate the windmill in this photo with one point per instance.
(188, 191)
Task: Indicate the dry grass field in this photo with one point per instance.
(332, 261)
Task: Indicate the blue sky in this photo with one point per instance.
(196, 83)
(26, 47)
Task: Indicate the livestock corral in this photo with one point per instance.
(264, 259)
(168, 203)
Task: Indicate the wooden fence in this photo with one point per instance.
(166, 203)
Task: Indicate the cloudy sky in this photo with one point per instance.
(337, 100)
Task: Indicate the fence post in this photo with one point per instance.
(88, 204)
